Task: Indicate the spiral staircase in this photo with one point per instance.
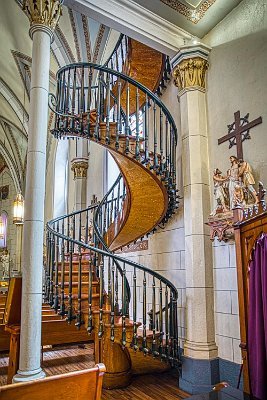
(129, 310)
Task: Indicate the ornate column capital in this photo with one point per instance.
(79, 166)
(43, 15)
(189, 68)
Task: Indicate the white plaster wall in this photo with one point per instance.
(166, 247)
(95, 179)
(237, 80)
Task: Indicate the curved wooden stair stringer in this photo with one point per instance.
(147, 201)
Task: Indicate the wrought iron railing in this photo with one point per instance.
(77, 256)
(125, 116)
(120, 60)
(83, 277)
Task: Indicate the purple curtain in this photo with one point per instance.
(257, 319)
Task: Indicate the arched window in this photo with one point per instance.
(4, 219)
(61, 178)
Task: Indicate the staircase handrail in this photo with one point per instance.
(131, 81)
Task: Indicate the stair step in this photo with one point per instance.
(48, 317)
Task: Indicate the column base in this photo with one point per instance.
(201, 351)
(25, 376)
(199, 376)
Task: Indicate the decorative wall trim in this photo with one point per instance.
(86, 37)
(75, 37)
(193, 15)
(133, 247)
(65, 44)
(98, 42)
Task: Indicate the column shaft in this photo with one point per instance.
(32, 256)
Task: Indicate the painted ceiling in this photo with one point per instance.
(197, 17)
(77, 38)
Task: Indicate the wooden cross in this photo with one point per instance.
(238, 131)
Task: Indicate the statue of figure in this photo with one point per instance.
(245, 173)
(238, 196)
(233, 177)
(5, 259)
(220, 192)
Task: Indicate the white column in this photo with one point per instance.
(43, 17)
(79, 166)
(189, 72)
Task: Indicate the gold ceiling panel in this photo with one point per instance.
(193, 10)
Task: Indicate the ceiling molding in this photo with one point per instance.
(193, 14)
(11, 166)
(99, 39)
(86, 37)
(130, 18)
(15, 104)
(75, 37)
(62, 39)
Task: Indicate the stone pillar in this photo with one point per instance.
(43, 16)
(19, 230)
(200, 364)
(79, 166)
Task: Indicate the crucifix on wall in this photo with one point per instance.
(238, 131)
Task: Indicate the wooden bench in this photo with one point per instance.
(54, 332)
(79, 385)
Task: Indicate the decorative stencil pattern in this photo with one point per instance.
(193, 15)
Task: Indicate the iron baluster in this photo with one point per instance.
(86, 227)
(112, 313)
(137, 139)
(161, 140)
(89, 100)
(51, 291)
(154, 344)
(98, 109)
(108, 110)
(55, 305)
(62, 274)
(166, 322)
(155, 156)
(82, 105)
(48, 258)
(72, 124)
(90, 296)
(79, 321)
(161, 333)
(146, 159)
(101, 300)
(118, 130)
(117, 307)
(124, 307)
(127, 127)
(144, 342)
(167, 152)
(134, 341)
(70, 300)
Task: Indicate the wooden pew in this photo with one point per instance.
(54, 332)
(79, 385)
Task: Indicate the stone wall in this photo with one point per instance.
(236, 81)
(166, 247)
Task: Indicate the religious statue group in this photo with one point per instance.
(236, 188)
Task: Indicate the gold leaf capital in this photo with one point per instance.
(79, 167)
(43, 12)
(191, 73)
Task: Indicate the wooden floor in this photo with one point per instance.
(147, 387)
